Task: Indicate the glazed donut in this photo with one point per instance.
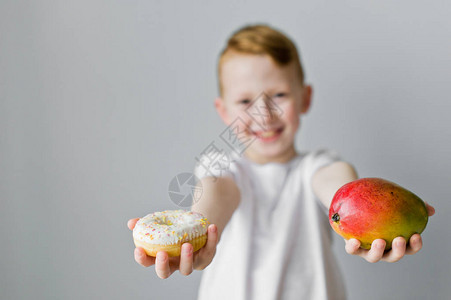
(168, 230)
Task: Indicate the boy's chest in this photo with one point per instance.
(275, 195)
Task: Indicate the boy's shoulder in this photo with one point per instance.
(215, 163)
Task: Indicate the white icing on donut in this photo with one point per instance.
(170, 227)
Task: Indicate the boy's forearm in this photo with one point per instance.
(220, 197)
(327, 180)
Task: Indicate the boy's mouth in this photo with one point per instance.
(268, 135)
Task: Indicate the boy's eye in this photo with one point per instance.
(280, 95)
(244, 101)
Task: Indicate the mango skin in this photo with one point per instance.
(375, 208)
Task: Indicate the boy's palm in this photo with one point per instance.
(399, 247)
(186, 262)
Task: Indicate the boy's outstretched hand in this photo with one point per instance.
(399, 248)
(186, 262)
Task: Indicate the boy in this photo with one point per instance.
(274, 201)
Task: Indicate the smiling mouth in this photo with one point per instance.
(268, 135)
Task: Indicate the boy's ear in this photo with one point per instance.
(222, 110)
(306, 98)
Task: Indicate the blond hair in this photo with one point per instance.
(261, 40)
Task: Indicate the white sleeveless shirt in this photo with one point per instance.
(277, 245)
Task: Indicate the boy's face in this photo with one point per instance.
(267, 100)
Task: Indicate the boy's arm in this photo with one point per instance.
(220, 197)
(326, 181)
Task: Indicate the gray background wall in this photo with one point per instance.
(103, 102)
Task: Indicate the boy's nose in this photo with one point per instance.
(263, 110)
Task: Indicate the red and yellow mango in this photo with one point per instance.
(373, 208)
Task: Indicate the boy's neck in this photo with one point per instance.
(282, 158)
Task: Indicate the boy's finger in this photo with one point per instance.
(142, 258)
(208, 251)
(376, 252)
(212, 240)
(352, 246)
(131, 223)
(415, 244)
(398, 250)
(162, 265)
(430, 209)
(186, 259)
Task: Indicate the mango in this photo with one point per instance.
(373, 208)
